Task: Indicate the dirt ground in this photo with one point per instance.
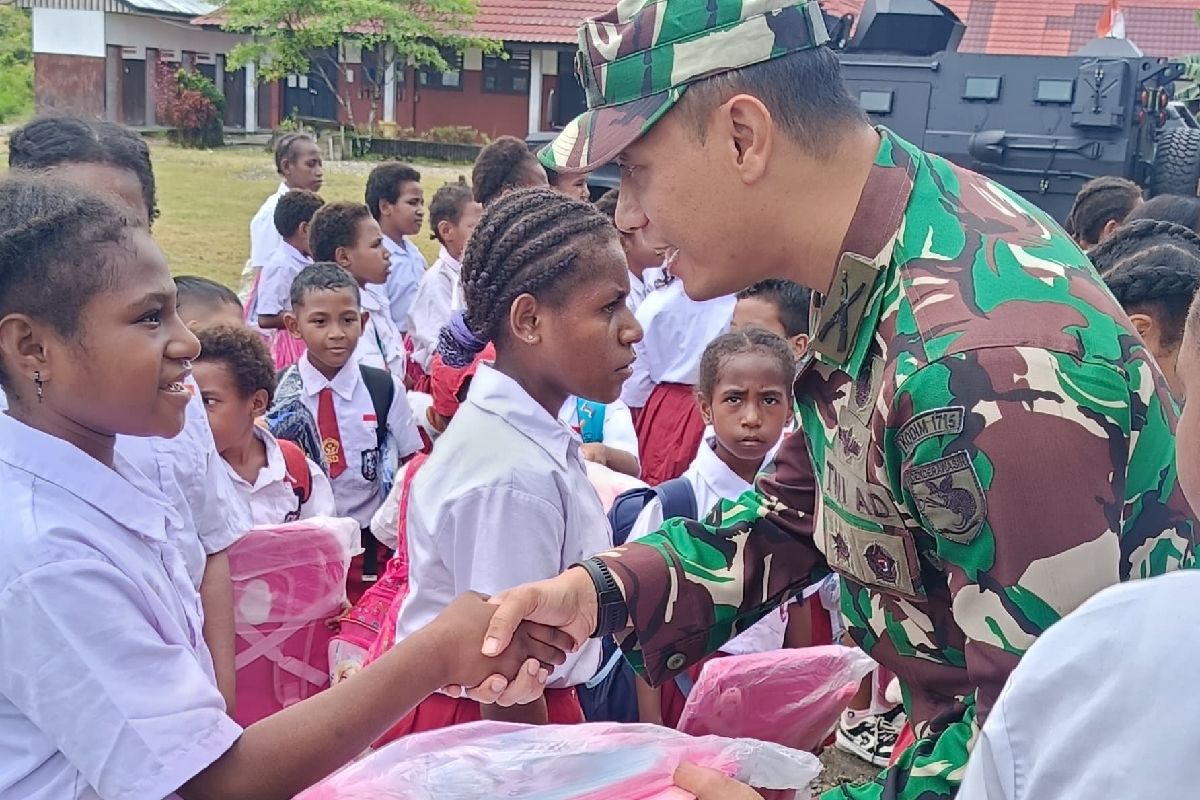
(841, 768)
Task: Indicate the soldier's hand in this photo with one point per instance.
(567, 602)
(708, 784)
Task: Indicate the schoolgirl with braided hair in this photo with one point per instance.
(505, 496)
(1101, 205)
(1155, 286)
(108, 689)
(504, 166)
(1137, 235)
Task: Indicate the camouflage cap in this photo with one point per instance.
(637, 60)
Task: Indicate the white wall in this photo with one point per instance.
(131, 30)
(72, 33)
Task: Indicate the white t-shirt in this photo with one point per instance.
(358, 491)
(264, 236)
(1100, 705)
(381, 345)
(107, 689)
(407, 268)
(439, 295)
(676, 331)
(504, 500)
(275, 286)
(271, 499)
(712, 481)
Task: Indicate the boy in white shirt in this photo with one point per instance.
(453, 215)
(361, 449)
(397, 202)
(273, 477)
(346, 234)
(293, 216)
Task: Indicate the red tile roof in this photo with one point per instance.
(1041, 27)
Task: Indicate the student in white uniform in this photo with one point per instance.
(108, 690)
(293, 216)
(453, 216)
(607, 433)
(346, 234)
(298, 162)
(505, 165)
(115, 160)
(274, 478)
(744, 391)
(553, 304)
(645, 263)
(397, 202)
(362, 450)
(661, 390)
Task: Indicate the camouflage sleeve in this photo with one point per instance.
(692, 586)
(1035, 501)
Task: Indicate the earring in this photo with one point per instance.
(37, 381)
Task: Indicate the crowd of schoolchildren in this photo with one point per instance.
(543, 390)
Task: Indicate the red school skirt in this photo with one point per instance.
(441, 711)
(669, 430)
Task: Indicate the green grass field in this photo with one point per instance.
(208, 197)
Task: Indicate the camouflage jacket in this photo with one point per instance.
(987, 443)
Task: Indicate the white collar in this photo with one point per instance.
(293, 255)
(372, 299)
(637, 283)
(275, 469)
(495, 393)
(396, 248)
(282, 190)
(723, 481)
(343, 384)
(450, 261)
(120, 494)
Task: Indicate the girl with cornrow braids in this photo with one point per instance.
(1101, 205)
(1155, 286)
(1138, 235)
(505, 496)
(504, 166)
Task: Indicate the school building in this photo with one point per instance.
(99, 58)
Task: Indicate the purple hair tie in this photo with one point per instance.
(457, 343)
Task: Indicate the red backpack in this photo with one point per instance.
(297, 475)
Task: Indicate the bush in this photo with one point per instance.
(454, 134)
(16, 64)
(190, 103)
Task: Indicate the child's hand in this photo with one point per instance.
(595, 453)
(459, 629)
(708, 784)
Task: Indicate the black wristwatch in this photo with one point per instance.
(612, 614)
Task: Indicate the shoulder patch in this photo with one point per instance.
(949, 497)
(936, 422)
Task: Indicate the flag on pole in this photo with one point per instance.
(1112, 22)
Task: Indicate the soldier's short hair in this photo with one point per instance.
(804, 92)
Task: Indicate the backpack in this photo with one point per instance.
(611, 695)
(296, 471)
(591, 420)
(289, 420)
(383, 392)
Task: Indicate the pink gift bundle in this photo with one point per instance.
(790, 697)
(600, 761)
(287, 581)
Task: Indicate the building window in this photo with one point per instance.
(507, 75)
(429, 78)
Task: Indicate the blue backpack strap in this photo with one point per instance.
(678, 499)
(591, 420)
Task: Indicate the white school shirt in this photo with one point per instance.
(437, 297)
(618, 425)
(381, 345)
(713, 481)
(190, 473)
(264, 236)
(1101, 705)
(271, 499)
(275, 285)
(676, 331)
(641, 287)
(357, 492)
(408, 268)
(107, 689)
(504, 500)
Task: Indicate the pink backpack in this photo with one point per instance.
(287, 581)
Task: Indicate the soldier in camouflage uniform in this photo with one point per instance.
(987, 442)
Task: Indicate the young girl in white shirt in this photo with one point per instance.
(505, 497)
(744, 391)
(273, 477)
(108, 689)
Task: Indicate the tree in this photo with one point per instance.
(305, 36)
(16, 64)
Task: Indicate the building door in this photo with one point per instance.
(235, 98)
(569, 100)
(309, 95)
(133, 91)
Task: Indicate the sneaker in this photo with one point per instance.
(871, 738)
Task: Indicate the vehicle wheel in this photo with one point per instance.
(1176, 163)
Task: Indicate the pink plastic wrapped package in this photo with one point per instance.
(602, 761)
(790, 697)
(287, 581)
(609, 483)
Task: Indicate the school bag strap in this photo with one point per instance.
(678, 498)
(296, 472)
(383, 393)
(591, 420)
